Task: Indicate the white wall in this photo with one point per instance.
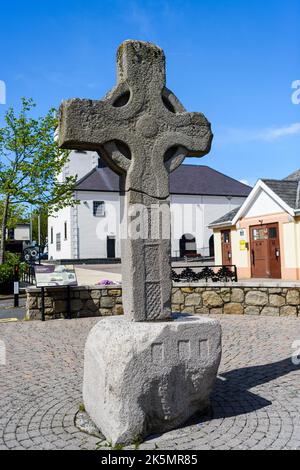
(80, 163)
(263, 205)
(57, 222)
(22, 232)
(190, 214)
(93, 231)
(193, 214)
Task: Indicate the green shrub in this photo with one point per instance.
(12, 258)
(7, 269)
(6, 273)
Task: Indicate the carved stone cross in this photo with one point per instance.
(143, 133)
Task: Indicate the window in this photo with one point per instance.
(260, 234)
(226, 236)
(58, 242)
(51, 235)
(65, 230)
(272, 232)
(98, 208)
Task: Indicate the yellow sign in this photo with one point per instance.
(242, 245)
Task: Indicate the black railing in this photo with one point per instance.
(214, 273)
(28, 275)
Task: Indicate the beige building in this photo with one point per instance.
(262, 237)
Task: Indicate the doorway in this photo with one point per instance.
(111, 247)
(265, 251)
(212, 246)
(187, 245)
(226, 247)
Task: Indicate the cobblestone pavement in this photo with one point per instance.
(256, 403)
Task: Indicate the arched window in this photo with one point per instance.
(187, 245)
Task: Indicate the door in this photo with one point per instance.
(274, 251)
(111, 247)
(226, 247)
(265, 251)
(259, 251)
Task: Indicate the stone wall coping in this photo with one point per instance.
(33, 289)
(251, 283)
(246, 283)
(249, 297)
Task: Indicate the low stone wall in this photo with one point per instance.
(201, 298)
(238, 299)
(85, 301)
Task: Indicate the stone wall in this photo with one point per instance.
(237, 299)
(201, 298)
(85, 301)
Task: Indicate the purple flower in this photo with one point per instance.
(105, 282)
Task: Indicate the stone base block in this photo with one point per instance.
(149, 377)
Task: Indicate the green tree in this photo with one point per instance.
(43, 226)
(17, 214)
(30, 161)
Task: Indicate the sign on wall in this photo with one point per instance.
(55, 275)
(243, 245)
(243, 240)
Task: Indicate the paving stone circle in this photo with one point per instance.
(256, 403)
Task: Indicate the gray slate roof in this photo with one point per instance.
(295, 176)
(187, 179)
(226, 218)
(287, 190)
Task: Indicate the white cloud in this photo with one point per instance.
(268, 134)
(273, 134)
(2, 92)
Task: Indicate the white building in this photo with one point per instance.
(198, 196)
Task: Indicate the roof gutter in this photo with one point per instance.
(227, 223)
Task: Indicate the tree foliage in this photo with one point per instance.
(30, 162)
(17, 214)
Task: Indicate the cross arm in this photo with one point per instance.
(197, 135)
(190, 135)
(193, 131)
(75, 125)
(89, 125)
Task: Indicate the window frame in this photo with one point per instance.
(96, 205)
(58, 241)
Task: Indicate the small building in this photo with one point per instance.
(91, 230)
(262, 237)
(18, 238)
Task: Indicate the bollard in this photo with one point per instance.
(16, 285)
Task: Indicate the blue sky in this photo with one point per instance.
(234, 60)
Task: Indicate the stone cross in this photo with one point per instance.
(143, 133)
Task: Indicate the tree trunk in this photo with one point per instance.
(3, 229)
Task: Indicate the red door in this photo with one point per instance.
(226, 247)
(274, 251)
(265, 251)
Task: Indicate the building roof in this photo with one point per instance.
(187, 179)
(227, 218)
(295, 176)
(287, 190)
